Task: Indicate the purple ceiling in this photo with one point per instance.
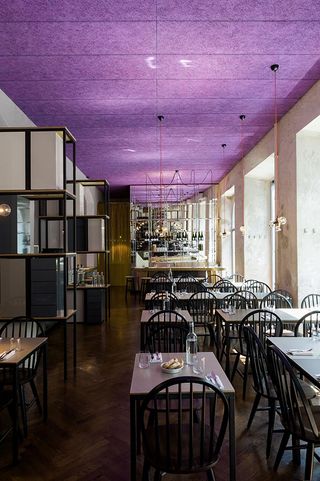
(107, 68)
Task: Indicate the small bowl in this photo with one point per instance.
(171, 371)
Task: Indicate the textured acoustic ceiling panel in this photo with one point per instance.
(107, 68)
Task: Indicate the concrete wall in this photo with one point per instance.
(306, 109)
(257, 239)
(308, 212)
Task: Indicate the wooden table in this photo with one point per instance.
(143, 380)
(145, 316)
(287, 316)
(309, 366)
(29, 346)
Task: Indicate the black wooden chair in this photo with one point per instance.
(20, 327)
(251, 297)
(262, 383)
(299, 417)
(224, 286)
(265, 324)
(167, 338)
(235, 300)
(160, 282)
(166, 331)
(164, 301)
(176, 439)
(202, 308)
(188, 283)
(275, 300)
(236, 278)
(308, 325)
(311, 300)
(213, 278)
(256, 286)
(285, 294)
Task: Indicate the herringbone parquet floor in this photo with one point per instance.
(87, 435)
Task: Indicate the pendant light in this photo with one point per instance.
(242, 117)
(161, 229)
(223, 233)
(279, 221)
(5, 210)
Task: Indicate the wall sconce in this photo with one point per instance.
(5, 210)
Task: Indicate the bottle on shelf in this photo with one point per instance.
(102, 279)
(173, 286)
(166, 303)
(191, 345)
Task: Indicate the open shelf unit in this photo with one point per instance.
(92, 247)
(34, 276)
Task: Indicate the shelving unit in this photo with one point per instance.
(93, 240)
(171, 234)
(34, 276)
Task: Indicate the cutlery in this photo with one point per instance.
(300, 350)
(5, 353)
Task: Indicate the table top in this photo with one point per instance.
(143, 380)
(285, 314)
(146, 314)
(28, 346)
(308, 364)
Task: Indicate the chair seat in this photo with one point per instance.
(178, 463)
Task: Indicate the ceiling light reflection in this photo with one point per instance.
(151, 62)
(185, 63)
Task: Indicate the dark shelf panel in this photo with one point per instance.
(39, 254)
(39, 194)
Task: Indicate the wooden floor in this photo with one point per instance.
(87, 435)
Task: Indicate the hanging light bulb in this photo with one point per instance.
(279, 221)
(223, 234)
(5, 210)
(242, 227)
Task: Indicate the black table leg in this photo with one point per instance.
(45, 382)
(133, 438)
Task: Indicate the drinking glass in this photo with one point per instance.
(315, 332)
(199, 365)
(144, 360)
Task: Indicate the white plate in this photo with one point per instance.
(171, 371)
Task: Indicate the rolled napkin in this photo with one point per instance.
(156, 357)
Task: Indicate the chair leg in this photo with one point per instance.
(157, 475)
(272, 414)
(22, 400)
(210, 475)
(283, 444)
(36, 395)
(145, 472)
(235, 366)
(245, 378)
(254, 409)
(309, 462)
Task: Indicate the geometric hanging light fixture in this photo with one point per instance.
(279, 221)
